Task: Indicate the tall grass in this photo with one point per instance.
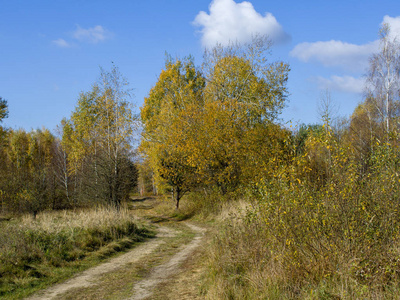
(239, 261)
(335, 236)
(34, 252)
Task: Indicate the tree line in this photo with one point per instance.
(216, 127)
(90, 161)
(213, 128)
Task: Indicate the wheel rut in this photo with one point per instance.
(143, 288)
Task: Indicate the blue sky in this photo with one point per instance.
(50, 51)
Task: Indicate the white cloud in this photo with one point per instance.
(346, 55)
(61, 43)
(336, 53)
(347, 84)
(92, 35)
(229, 21)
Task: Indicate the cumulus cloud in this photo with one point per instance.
(229, 21)
(346, 55)
(93, 35)
(61, 43)
(347, 84)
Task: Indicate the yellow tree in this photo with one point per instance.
(41, 189)
(215, 130)
(29, 175)
(244, 95)
(178, 89)
(364, 130)
(16, 161)
(80, 140)
(243, 73)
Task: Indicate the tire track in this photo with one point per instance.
(144, 288)
(90, 277)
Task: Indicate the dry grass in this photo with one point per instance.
(237, 264)
(249, 259)
(58, 221)
(37, 252)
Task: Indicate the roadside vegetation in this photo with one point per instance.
(37, 252)
(299, 238)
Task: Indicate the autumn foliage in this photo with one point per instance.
(210, 127)
(324, 210)
(89, 162)
(322, 202)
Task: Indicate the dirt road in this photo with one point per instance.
(144, 272)
(144, 288)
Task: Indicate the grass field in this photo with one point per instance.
(35, 253)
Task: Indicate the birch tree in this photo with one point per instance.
(98, 139)
(383, 78)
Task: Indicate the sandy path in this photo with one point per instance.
(89, 277)
(144, 288)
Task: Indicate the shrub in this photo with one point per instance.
(315, 234)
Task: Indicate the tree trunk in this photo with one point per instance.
(178, 196)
